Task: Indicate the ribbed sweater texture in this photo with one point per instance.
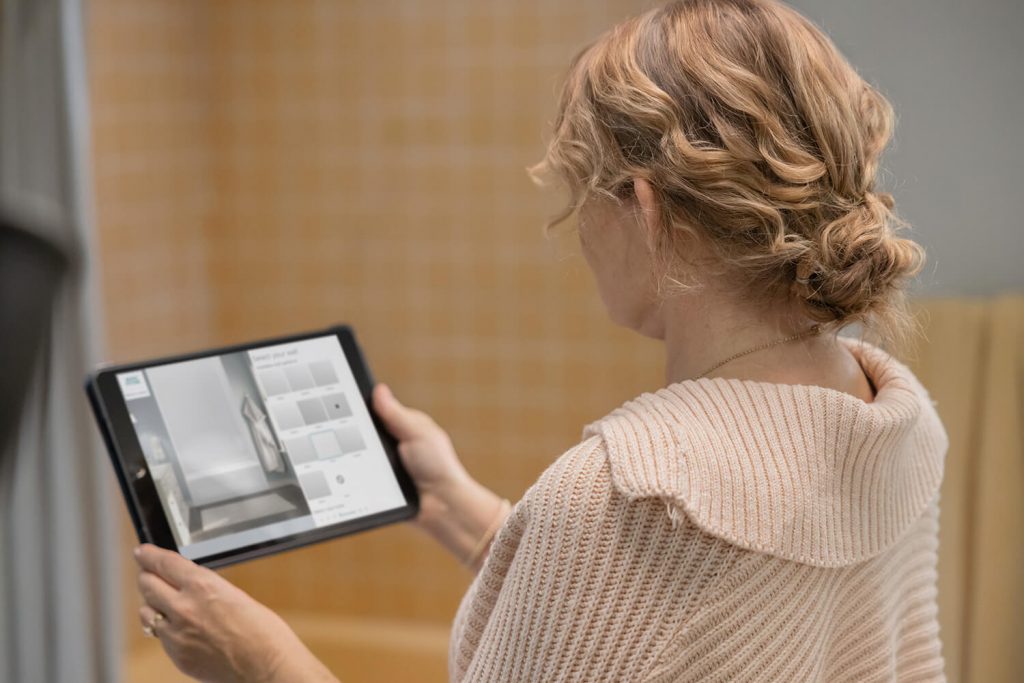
(724, 530)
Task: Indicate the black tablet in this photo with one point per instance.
(243, 451)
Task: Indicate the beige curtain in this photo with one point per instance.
(973, 365)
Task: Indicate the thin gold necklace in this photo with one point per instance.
(813, 331)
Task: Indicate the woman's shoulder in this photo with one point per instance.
(582, 495)
(746, 461)
(579, 479)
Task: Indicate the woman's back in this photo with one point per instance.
(724, 529)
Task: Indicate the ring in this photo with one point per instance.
(149, 630)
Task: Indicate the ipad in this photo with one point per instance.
(239, 452)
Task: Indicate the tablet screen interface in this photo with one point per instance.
(260, 444)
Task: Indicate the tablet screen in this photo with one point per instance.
(260, 444)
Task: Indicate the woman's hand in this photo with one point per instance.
(427, 453)
(454, 509)
(214, 631)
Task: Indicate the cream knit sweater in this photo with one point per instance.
(724, 530)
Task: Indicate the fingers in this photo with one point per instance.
(404, 423)
(158, 594)
(167, 564)
(151, 620)
(147, 615)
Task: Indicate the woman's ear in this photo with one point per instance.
(649, 215)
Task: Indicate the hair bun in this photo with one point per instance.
(857, 263)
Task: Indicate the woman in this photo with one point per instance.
(771, 514)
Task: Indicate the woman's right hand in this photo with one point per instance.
(426, 451)
(455, 509)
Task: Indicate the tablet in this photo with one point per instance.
(244, 451)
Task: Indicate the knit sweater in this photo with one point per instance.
(724, 530)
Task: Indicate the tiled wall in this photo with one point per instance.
(152, 171)
(272, 166)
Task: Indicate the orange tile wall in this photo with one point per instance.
(271, 166)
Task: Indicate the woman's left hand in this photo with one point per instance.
(213, 630)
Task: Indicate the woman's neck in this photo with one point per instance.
(699, 337)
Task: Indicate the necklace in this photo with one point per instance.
(813, 331)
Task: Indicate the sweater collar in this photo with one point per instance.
(802, 472)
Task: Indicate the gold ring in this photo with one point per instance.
(150, 629)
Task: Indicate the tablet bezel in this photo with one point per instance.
(140, 494)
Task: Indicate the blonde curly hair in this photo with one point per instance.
(759, 138)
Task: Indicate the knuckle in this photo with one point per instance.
(186, 613)
(160, 566)
(202, 583)
(198, 588)
(420, 418)
(440, 441)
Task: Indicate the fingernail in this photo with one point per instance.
(138, 551)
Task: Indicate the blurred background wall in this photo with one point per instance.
(273, 166)
(952, 71)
